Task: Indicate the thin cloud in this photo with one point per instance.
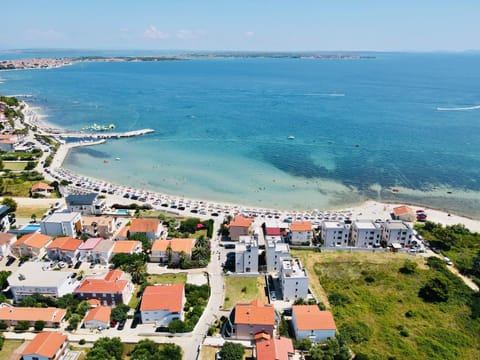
(249, 33)
(153, 33)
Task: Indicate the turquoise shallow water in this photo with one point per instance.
(361, 127)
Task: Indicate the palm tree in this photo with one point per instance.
(137, 271)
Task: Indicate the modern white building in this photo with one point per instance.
(162, 304)
(293, 280)
(309, 322)
(36, 277)
(246, 255)
(274, 252)
(365, 234)
(62, 223)
(396, 231)
(335, 233)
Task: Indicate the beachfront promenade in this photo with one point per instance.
(102, 135)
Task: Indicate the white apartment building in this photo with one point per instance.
(274, 252)
(335, 233)
(246, 255)
(396, 231)
(62, 223)
(365, 234)
(293, 280)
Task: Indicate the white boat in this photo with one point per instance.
(291, 137)
(117, 158)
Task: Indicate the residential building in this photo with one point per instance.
(301, 232)
(293, 280)
(112, 289)
(404, 213)
(168, 251)
(13, 315)
(268, 348)
(334, 233)
(31, 245)
(98, 317)
(396, 231)
(247, 320)
(6, 241)
(87, 250)
(4, 218)
(274, 252)
(310, 322)
(64, 249)
(240, 226)
(86, 204)
(123, 233)
(7, 142)
(103, 252)
(150, 227)
(62, 223)
(365, 234)
(99, 226)
(36, 277)
(162, 304)
(246, 255)
(42, 188)
(273, 234)
(47, 345)
(126, 247)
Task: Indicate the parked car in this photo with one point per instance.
(447, 261)
(273, 296)
(121, 324)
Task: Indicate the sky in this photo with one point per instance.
(257, 25)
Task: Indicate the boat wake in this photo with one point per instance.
(477, 107)
(321, 94)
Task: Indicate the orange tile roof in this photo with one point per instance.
(301, 226)
(254, 313)
(123, 232)
(94, 302)
(399, 210)
(110, 284)
(50, 314)
(125, 246)
(144, 225)
(163, 297)
(310, 317)
(65, 244)
(274, 349)
(240, 221)
(99, 220)
(100, 313)
(36, 240)
(113, 275)
(42, 186)
(45, 344)
(177, 245)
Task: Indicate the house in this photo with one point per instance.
(6, 241)
(126, 247)
(31, 245)
(64, 249)
(99, 226)
(273, 234)
(274, 252)
(13, 315)
(168, 251)
(103, 252)
(396, 231)
(86, 204)
(293, 280)
(36, 277)
(98, 317)
(240, 226)
(308, 321)
(301, 232)
(4, 218)
(7, 142)
(162, 304)
(404, 213)
(62, 223)
(87, 249)
(42, 189)
(46, 345)
(247, 320)
(152, 228)
(267, 348)
(123, 233)
(246, 255)
(334, 233)
(366, 234)
(112, 289)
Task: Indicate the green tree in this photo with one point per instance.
(39, 325)
(189, 225)
(144, 349)
(283, 327)
(137, 270)
(232, 351)
(74, 321)
(333, 349)
(2, 340)
(3, 279)
(169, 351)
(22, 326)
(409, 267)
(12, 204)
(99, 353)
(436, 289)
(109, 348)
(176, 326)
(142, 237)
(476, 265)
(120, 312)
(356, 332)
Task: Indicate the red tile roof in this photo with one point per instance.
(6, 238)
(144, 225)
(126, 246)
(301, 226)
(36, 240)
(241, 221)
(49, 314)
(45, 344)
(399, 210)
(65, 244)
(177, 245)
(42, 186)
(310, 317)
(110, 284)
(163, 297)
(254, 313)
(100, 313)
(274, 349)
(273, 231)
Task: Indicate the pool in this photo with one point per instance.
(31, 228)
(122, 212)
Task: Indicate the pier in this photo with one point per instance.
(103, 135)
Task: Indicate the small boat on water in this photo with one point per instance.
(395, 190)
(117, 158)
(291, 137)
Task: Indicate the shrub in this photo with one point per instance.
(39, 325)
(356, 332)
(410, 314)
(436, 289)
(22, 326)
(409, 267)
(338, 299)
(3, 325)
(82, 342)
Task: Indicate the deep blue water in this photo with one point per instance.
(222, 126)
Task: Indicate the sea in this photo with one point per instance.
(286, 133)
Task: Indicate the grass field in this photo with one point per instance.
(180, 278)
(27, 211)
(370, 297)
(9, 347)
(243, 289)
(15, 165)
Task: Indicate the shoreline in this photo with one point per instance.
(368, 209)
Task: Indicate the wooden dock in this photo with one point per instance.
(103, 135)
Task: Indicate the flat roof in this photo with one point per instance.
(366, 224)
(33, 274)
(334, 225)
(61, 217)
(397, 225)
